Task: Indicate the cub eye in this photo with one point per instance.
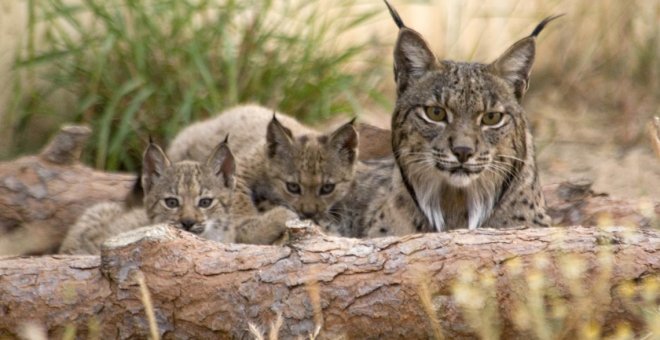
(327, 188)
(205, 202)
(491, 118)
(293, 188)
(171, 202)
(436, 113)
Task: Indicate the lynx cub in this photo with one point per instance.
(284, 173)
(460, 138)
(192, 196)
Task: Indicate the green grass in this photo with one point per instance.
(136, 68)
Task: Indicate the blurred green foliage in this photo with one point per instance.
(139, 67)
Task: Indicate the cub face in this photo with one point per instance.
(192, 196)
(311, 173)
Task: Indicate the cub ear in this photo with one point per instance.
(154, 163)
(344, 141)
(222, 163)
(412, 55)
(278, 138)
(515, 65)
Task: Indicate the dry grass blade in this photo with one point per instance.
(315, 300)
(33, 331)
(255, 331)
(654, 132)
(275, 327)
(422, 282)
(145, 297)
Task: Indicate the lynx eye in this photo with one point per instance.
(435, 113)
(171, 202)
(293, 188)
(491, 118)
(205, 202)
(327, 188)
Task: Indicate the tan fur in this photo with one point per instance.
(98, 223)
(464, 153)
(202, 191)
(246, 126)
(276, 155)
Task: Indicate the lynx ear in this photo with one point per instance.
(278, 138)
(344, 140)
(515, 65)
(412, 58)
(412, 55)
(222, 163)
(154, 163)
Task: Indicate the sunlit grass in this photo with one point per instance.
(138, 68)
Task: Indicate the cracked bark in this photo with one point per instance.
(365, 288)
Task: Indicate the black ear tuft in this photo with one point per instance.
(395, 15)
(544, 22)
(154, 163)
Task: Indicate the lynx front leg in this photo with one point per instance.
(265, 228)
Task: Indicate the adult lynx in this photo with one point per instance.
(461, 142)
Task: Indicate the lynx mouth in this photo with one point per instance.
(459, 175)
(458, 170)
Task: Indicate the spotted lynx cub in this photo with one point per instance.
(193, 196)
(283, 172)
(460, 138)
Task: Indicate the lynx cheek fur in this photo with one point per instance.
(460, 136)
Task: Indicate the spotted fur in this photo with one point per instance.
(461, 142)
(203, 194)
(286, 170)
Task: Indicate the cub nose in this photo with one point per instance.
(307, 214)
(462, 153)
(187, 223)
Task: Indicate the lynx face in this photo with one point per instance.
(459, 133)
(193, 196)
(311, 173)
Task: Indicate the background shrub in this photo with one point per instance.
(138, 67)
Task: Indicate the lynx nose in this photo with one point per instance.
(307, 214)
(187, 223)
(463, 153)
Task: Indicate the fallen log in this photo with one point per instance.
(509, 283)
(42, 195)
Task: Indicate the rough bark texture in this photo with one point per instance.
(355, 288)
(41, 196)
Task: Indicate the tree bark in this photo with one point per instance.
(42, 195)
(411, 287)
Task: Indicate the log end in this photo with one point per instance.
(160, 232)
(298, 230)
(65, 148)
